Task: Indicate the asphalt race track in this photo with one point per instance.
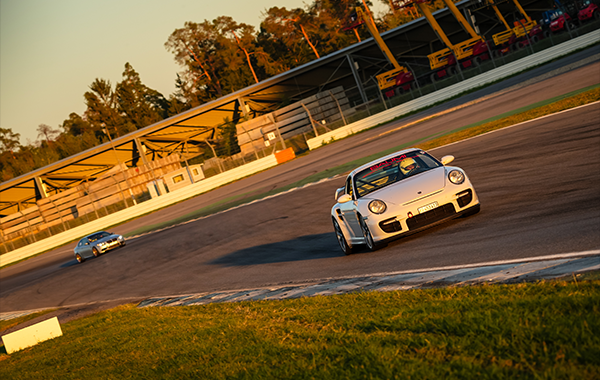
(538, 184)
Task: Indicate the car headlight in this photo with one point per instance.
(456, 177)
(377, 207)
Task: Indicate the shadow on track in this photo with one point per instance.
(309, 247)
(69, 263)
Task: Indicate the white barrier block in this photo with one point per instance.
(32, 335)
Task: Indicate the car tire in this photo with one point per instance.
(95, 252)
(370, 243)
(79, 258)
(346, 248)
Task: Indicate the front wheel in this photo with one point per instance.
(95, 252)
(368, 237)
(347, 249)
(79, 258)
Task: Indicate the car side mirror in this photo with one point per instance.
(447, 159)
(339, 192)
(344, 198)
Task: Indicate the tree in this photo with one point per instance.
(213, 61)
(330, 17)
(102, 110)
(140, 105)
(401, 15)
(281, 37)
(68, 144)
(75, 125)
(47, 133)
(9, 141)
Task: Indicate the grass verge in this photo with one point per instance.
(548, 329)
(570, 100)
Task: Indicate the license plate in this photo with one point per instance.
(430, 206)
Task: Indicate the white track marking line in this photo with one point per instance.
(475, 265)
(517, 125)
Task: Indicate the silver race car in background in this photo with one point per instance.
(96, 244)
(399, 194)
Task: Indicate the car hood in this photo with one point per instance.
(413, 188)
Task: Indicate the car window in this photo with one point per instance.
(349, 186)
(392, 170)
(97, 236)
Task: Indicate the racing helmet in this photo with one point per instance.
(408, 165)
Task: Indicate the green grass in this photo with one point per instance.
(543, 330)
(570, 100)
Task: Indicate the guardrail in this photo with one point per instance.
(456, 89)
(139, 209)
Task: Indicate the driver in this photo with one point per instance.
(408, 166)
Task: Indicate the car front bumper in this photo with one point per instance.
(407, 219)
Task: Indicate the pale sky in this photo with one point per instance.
(52, 50)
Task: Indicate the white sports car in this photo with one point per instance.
(399, 194)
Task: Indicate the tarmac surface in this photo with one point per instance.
(536, 206)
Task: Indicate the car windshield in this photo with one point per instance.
(392, 170)
(97, 236)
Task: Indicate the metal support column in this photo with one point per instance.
(357, 79)
(40, 188)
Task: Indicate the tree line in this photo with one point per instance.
(217, 57)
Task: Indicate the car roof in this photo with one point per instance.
(371, 163)
(97, 232)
